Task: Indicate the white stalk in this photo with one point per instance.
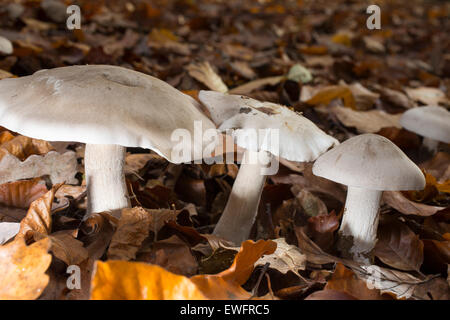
(430, 144)
(358, 231)
(242, 207)
(105, 178)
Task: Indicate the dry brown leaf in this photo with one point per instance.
(255, 84)
(67, 249)
(23, 269)
(204, 73)
(285, 258)
(311, 205)
(21, 194)
(22, 147)
(364, 98)
(399, 202)
(173, 254)
(133, 227)
(60, 167)
(398, 246)
(329, 294)
(366, 121)
(38, 220)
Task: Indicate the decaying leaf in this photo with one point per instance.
(133, 227)
(327, 94)
(67, 249)
(285, 258)
(399, 202)
(134, 280)
(38, 220)
(22, 147)
(204, 73)
(21, 194)
(427, 95)
(366, 121)
(60, 167)
(23, 269)
(398, 246)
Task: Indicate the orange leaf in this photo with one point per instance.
(23, 269)
(39, 218)
(21, 194)
(327, 94)
(345, 280)
(134, 280)
(22, 147)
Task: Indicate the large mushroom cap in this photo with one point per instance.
(372, 162)
(299, 138)
(431, 122)
(98, 104)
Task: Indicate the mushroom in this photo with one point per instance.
(367, 164)
(106, 107)
(282, 132)
(431, 122)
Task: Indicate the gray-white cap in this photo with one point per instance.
(370, 161)
(430, 122)
(99, 104)
(299, 138)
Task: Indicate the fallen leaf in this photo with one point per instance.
(330, 294)
(366, 121)
(22, 147)
(67, 249)
(23, 269)
(204, 73)
(173, 254)
(399, 202)
(327, 94)
(21, 194)
(344, 280)
(285, 258)
(60, 167)
(398, 246)
(38, 220)
(255, 84)
(134, 280)
(427, 95)
(133, 227)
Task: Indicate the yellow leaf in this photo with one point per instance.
(327, 94)
(23, 269)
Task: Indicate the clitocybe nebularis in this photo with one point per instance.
(106, 107)
(431, 122)
(298, 140)
(367, 164)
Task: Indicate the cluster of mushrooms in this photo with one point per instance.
(110, 108)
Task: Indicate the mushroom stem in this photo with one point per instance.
(358, 231)
(430, 144)
(105, 178)
(241, 209)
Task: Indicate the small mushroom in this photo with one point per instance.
(6, 46)
(367, 164)
(106, 107)
(431, 122)
(298, 140)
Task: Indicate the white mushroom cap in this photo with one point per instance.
(372, 162)
(430, 121)
(99, 104)
(299, 138)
